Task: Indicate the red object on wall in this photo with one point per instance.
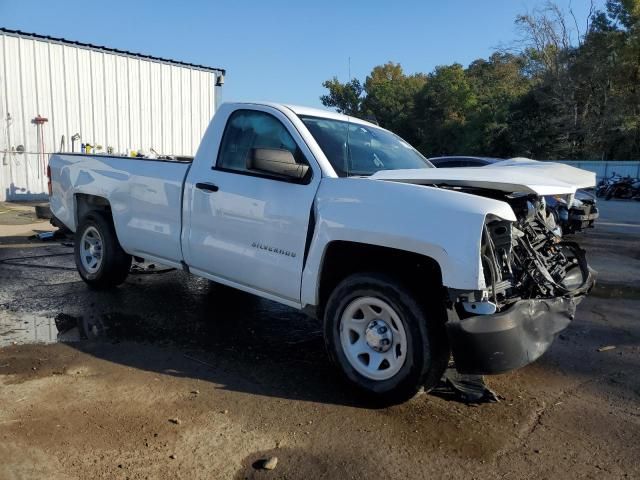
(39, 121)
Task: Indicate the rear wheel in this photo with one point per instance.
(100, 260)
(383, 340)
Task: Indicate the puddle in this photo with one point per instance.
(161, 312)
(32, 328)
(42, 300)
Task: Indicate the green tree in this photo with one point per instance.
(390, 96)
(442, 107)
(585, 96)
(386, 97)
(344, 97)
(560, 94)
(498, 83)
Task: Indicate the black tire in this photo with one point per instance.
(427, 346)
(115, 263)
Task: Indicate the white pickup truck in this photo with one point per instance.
(403, 263)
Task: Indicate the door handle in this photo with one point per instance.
(209, 187)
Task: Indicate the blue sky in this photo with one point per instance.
(282, 50)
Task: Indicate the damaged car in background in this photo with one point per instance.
(533, 278)
(571, 214)
(402, 263)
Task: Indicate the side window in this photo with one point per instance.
(451, 164)
(466, 163)
(250, 129)
(470, 163)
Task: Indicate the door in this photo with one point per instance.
(248, 227)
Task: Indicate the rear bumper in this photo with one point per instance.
(490, 344)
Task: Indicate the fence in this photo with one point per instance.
(604, 169)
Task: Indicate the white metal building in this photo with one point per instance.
(117, 100)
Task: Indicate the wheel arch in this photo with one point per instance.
(341, 258)
(86, 203)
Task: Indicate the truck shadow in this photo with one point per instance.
(183, 326)
(243, 343)
(213, 333)
(171, 323)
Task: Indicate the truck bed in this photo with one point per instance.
(144, 194)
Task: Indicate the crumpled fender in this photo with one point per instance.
(445, 225)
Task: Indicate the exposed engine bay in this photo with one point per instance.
(528, 259)
(531, 279)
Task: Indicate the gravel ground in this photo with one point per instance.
(171, 377)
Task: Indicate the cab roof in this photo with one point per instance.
(312, 112)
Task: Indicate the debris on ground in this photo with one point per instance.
(45, 236)
(606, 348)
(270, 463)
(148, 269)
(199, 361)
(65, 322)
(469, 389)
(43, 211)
(175, 421)
(52, 235)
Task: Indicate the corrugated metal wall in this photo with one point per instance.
(109, 99)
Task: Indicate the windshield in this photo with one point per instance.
(355, 149)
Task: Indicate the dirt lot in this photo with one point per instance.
(170, 377)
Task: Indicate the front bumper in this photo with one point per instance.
(513, 338)
(582, 217)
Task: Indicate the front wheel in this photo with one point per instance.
(382, 339)
(100, 260)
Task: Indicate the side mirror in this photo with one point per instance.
(276, 161)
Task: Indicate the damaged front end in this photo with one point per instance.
(534, 280)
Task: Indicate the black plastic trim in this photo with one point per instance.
(513, 338)
(209, 187)
(266, 176)
(310, 231)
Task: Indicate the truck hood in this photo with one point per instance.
(515, 175)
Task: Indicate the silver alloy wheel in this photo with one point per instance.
(91, 250)
(373, 338)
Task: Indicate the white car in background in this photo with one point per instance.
(581, 213)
